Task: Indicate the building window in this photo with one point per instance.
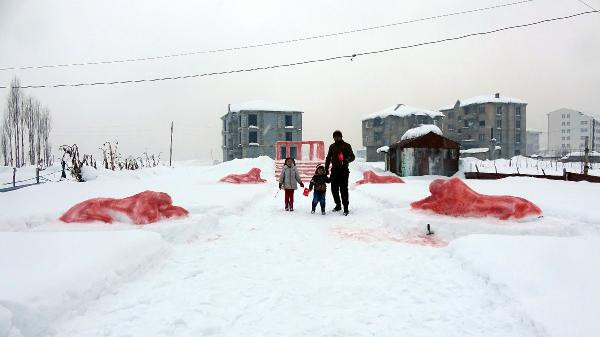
(563, 115)
(451, 114)
(481, 109)
(518, 124)
(568, 115)
(289, 136)
(584, 122)
(377, 122)
(584, 130)
(568, 130)
(518, 111)
(252, 120)
(253, 137)
(517, 152)
(378, 137)
(482, 123)
(563, 123)
(518, 137)
(498, 123)
(481, 137)
(466, 123)
(499, 137)
(563, 138)
(568, 137)
(288, 121)
(499, 110)
(225, 125)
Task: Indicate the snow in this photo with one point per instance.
(253, 144)
(524, 165)
(402, 110)
(484, 99)
(421, 131)
(544, 274)
(479, 150)
(582, 153)
(260, 105)
(476, 150)
(241, 266)
(48, 274)
(383, 149)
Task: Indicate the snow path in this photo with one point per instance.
(261, 271)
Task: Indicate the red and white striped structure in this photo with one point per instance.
(308, 155)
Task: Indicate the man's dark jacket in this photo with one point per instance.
(333, 156)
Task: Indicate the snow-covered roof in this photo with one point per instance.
(581, 154)
(476, 150)
(383, 149)
(402, 110)
(259, 105)
(479, 149)
(421, 131)
(485, 99)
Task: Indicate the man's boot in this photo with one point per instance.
(337, 208)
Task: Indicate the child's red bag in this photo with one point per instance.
(306, 192)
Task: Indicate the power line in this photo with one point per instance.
(266, 44)
(587, 5)
(351, 57)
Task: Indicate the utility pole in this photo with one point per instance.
(585, 157)
(171, 149)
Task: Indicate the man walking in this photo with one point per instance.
(339, 156)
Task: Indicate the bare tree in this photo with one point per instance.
(25, 128)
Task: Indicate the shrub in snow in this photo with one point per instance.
(252, 177)
(89, 173)
(453, 197)
(370, 177)
(142, 208)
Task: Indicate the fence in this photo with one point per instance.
(30, 181)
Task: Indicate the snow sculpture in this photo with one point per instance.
(142, 208)
(370, 177)
(453, 197)
(252, 177)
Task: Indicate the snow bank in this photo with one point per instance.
(484, 99)
(401, 110)
(555, 279)
(45, 275)
(260, 105)
(421, 131)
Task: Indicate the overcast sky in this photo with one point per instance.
(550, 66)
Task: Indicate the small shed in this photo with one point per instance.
(423, 151)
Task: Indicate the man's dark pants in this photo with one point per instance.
(339, 184)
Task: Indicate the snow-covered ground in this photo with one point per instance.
(241, 266)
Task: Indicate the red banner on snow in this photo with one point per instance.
(453, 197)
(369, 177)
(252, 177)
(142, 208)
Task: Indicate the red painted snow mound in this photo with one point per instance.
(370, 177)
(452, 197)
(252, 177)
(142, 208)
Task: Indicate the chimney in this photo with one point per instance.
(228, 108)
(497, 95)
